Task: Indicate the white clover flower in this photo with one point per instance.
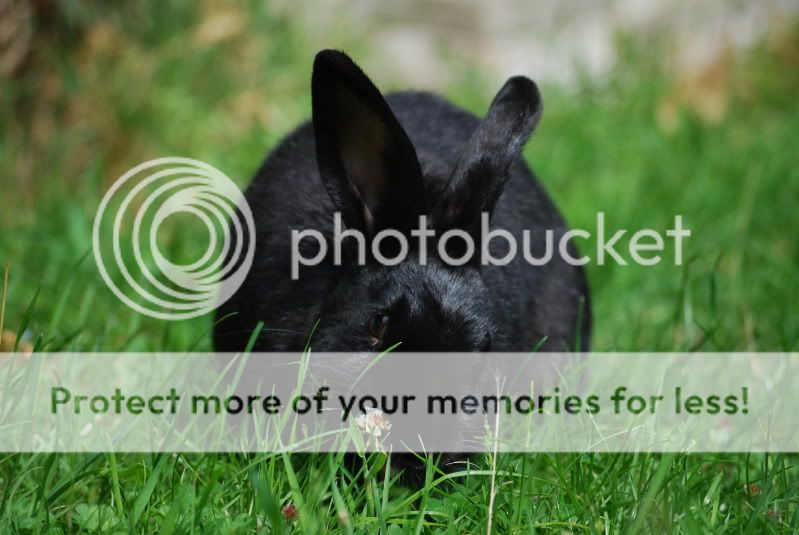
(373, 423)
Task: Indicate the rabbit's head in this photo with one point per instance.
(370, 169)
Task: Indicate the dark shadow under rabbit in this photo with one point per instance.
(383, 162)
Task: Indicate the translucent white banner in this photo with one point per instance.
(453, 402)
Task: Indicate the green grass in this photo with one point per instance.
(105, 95)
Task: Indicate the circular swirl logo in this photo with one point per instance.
(149, 209)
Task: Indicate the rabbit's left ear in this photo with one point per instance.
(366, 161)
(482, 170)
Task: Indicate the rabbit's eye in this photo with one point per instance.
(377, 327)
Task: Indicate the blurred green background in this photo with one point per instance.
(651, 110)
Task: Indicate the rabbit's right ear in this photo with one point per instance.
(481, 171)
(365, 158)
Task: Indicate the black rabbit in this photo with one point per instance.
(382, 162)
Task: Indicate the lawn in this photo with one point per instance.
(103, 92)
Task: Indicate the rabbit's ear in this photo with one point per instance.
(482, 170)
(365, 158)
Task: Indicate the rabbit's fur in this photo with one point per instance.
(381, 162)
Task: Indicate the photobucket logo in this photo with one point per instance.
(644, 246)
(134, 209)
